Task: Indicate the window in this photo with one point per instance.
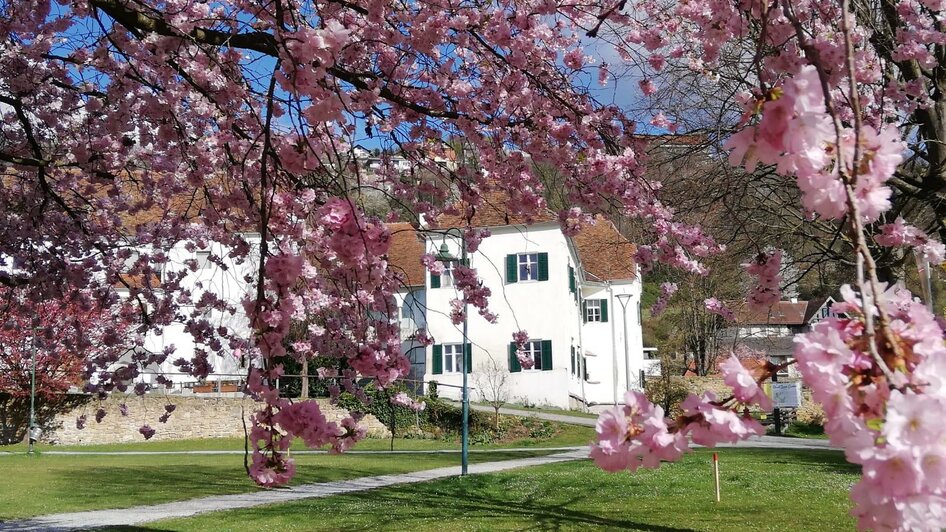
(448, 358)
(522, 267)
(203, 260)
(533, 350)
(540, 351)
(445, 279)
(596, 310)
(452, 363)
(576, 362)
(529, 267)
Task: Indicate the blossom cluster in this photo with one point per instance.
(636, 434)
(900, 233)
(666, 292)
(766, 269)
(718, 307)
(403, 400)
(887, 420)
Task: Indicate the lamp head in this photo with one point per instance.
(444, 254)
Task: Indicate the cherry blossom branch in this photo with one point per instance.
(865, 257)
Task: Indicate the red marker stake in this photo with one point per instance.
(716, 473)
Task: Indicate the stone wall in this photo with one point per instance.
(193, 417)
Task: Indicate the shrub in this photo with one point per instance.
(398, 419)
(811, 413)
(668, 393)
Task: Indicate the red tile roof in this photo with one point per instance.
(781, 313)
(493, 212)
(404, 253)
(605, 253)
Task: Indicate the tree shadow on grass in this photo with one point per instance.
(115, 487)
(477, 502)
(824, 461)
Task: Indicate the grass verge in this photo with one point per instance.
(762, 490)
(47, 484)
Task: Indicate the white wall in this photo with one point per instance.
(545, 309)
(227, 283)
(609, 366)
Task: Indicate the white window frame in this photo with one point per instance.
(203, 260)
(592, 310)
(527, 266)
(455, 352)
(534, 350)
(446, 277)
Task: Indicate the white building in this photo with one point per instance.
(569, 294)
(209, 269)
(565, 292)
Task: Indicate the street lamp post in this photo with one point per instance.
(445, 255)
(623, 299)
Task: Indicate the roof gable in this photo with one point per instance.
(605, 254)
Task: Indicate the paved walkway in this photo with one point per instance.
(560, 418)
(764, 442)
(143, 514)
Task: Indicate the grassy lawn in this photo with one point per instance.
(61, 483)
(763, 489)
(50, 484)
(548, 410)
(801, 430)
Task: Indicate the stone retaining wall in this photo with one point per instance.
(193, 417)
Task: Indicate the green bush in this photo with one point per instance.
(398, 419)
(539, 429)
(449, 418)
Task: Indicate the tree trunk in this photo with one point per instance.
(496, 418)
(304, 393)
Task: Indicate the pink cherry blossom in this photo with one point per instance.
(745, 387)
(718, 307)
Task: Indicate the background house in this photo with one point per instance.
(771, 331)
(565, 292)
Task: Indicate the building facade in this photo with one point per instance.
(574, 296)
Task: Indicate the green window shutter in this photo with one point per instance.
(465, 262)
(437, 364)
(543, 266)
(468, 357)
(514, 365)
(604, 310)
(584, 312)
(434, 280)
(546, 355)
(512, 269)
(573, 360)
(571, 280)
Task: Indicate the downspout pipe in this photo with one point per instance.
(614, 344)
